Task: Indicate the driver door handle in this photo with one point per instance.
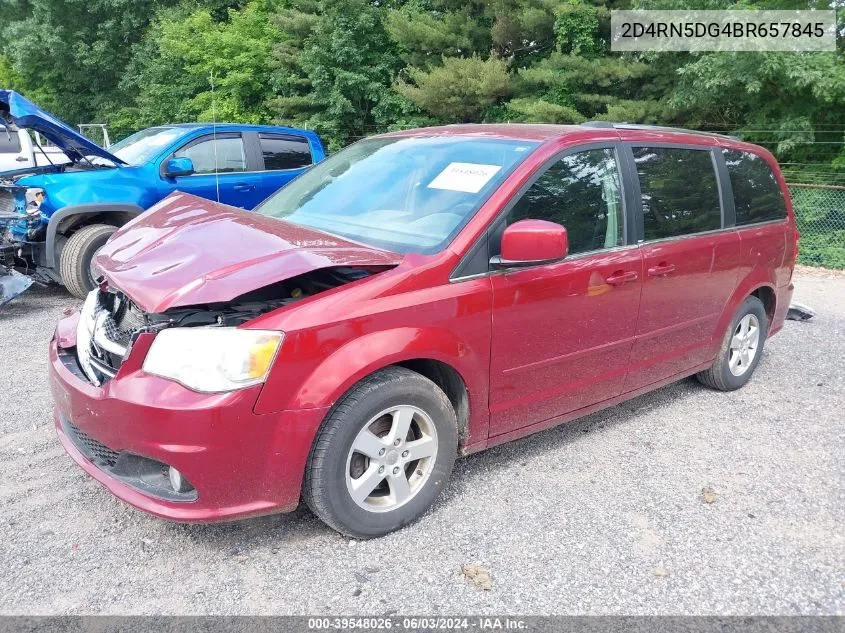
(621, 277)
(242, 186)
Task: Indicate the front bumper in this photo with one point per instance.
(240, 463)
(12, 283)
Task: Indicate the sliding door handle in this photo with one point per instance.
(661, 270)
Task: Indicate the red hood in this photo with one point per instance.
(188, 251)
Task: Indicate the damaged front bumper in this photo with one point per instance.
(21, 235)
(12, 284)
(126, 432)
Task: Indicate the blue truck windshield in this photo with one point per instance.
(142, 146)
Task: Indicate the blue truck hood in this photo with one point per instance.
(24, 114)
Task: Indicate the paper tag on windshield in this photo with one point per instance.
(467, 177)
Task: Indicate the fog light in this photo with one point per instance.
(177, 481)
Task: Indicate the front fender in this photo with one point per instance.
(95, 208)
(338, 371)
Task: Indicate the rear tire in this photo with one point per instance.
(382, 455)
(741, 348)
(76, 256)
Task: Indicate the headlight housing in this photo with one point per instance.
(213, 359)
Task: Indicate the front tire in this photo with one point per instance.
(383, 454)
(76, 256)
(741, 348)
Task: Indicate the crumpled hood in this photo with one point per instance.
(21, 112)
(189, 251)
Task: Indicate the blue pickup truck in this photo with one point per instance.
(55, 217)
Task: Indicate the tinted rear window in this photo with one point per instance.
(679, 191)
(10, 142)
(284, 152)
(757, 195)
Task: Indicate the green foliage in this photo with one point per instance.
(70, 55)
(170, 76)
(425, 31)
(576, 29)
(334, 67)
(460, 90)
(424, 36)
(596, 88)
(533, 110)
(349, 68)
(824, 249)
(820, 216)
(9, 79)
(795, 93)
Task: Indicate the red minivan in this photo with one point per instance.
(417, 296)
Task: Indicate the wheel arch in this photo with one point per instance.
(768, 296)
(450, 381)
(66, 220)
(441, 374)
(435, 354)
(757, 283)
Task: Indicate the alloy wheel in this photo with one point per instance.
(391, 458)
(744, 343)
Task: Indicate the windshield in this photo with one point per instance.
(142, 146)
(408, 195)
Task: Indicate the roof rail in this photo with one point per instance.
(653, 128)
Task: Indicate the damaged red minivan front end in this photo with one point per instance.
(198, 448)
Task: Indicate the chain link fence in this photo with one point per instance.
(820, 215)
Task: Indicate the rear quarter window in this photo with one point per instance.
(757, 194)
(284, 152)
(10, 142)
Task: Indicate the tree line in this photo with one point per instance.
(351, 68)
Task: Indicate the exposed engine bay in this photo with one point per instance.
(257, 302)
(110, 322)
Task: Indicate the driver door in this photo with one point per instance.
(220, 170)
(563, 331)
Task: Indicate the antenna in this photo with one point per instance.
(214, 138)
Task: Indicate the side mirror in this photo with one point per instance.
(181, 166)
(531, 242)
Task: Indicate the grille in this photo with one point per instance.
(116, 319)
(7, 201)
(130, 318)
(125, 319)
(98, 453)
(114, 333)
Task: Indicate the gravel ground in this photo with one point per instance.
(605, 515)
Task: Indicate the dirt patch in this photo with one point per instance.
(814, 271)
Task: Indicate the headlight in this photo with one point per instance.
(84, 334)
(213, 359)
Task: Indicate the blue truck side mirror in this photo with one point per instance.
(181, 166)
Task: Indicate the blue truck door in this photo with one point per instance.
(220, 163)
(284, 156)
